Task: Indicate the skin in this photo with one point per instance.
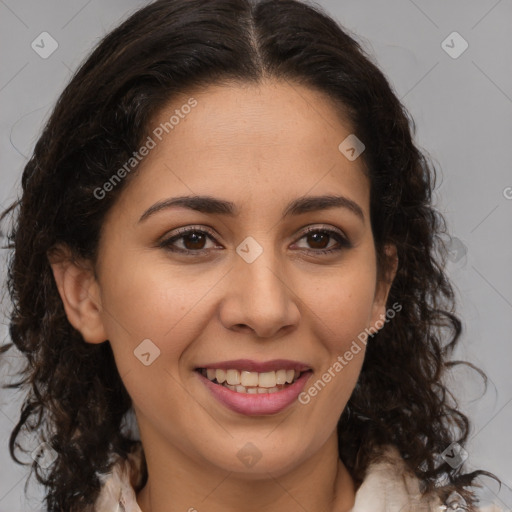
(259, 147)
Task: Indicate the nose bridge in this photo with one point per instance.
(258, 271)
(259, 295)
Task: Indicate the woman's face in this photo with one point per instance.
(248, 294)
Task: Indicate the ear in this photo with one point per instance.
(80, 294)
(384, 283)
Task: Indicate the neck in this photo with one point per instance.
(320, 483)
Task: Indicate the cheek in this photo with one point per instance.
(342, 308)
(151, 317)
(151, 301)
(342, 303)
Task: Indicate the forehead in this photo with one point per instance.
(274, 113)
(271, 139)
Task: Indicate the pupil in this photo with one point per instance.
(318, 239)
(194, 239)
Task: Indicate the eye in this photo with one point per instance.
(320, 238)
(191, 239)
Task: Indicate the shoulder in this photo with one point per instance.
(117, 488)
(390, 486)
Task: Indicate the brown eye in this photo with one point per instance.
(194, 241)
(318, 240)
(188, 241)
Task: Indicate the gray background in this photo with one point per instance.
(463, 110)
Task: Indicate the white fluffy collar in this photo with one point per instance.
(387, 487)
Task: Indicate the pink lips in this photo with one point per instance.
(257, 404)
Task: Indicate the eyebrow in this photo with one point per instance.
(212, 205)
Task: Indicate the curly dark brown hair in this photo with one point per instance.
(76, 401)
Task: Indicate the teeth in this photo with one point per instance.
(249, 378)
(252, 382)
(233, 377)
(267, 380)
(281, 376)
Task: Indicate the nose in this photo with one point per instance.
(259, 299)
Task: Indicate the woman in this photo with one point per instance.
(226, 230)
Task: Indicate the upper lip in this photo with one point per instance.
(250, 365)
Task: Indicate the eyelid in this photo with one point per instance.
(193, 227)
(323, 227)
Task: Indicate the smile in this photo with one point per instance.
(250, 391)
(243, 381)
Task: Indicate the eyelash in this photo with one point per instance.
(167, 243)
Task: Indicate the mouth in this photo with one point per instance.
(243, 389)
(242, 381)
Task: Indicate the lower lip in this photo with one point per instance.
(257, 404)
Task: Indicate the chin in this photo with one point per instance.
(255, 460)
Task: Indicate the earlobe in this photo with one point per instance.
(79, 292)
